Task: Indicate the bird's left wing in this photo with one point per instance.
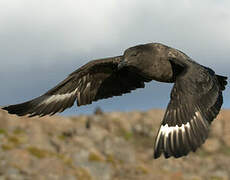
(196, 99)
(95, 80)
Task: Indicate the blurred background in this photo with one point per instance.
(41, 42)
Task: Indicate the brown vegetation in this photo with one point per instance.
(106, 146)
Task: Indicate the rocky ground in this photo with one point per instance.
(104, 146)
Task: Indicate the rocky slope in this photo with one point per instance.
(106, 146)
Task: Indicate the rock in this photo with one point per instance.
(19, 158)
(120, 150)
(98, 170)
(92, 165)
(51, 168)
(38, 138)
(14, 174)
(117, 146)
(80, 157)
(97, 134)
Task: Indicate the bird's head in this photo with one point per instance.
(133, 57)
(148, 60)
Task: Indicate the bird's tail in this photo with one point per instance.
(222, 81)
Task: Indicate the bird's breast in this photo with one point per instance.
(162, 71)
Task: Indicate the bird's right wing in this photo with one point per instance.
(96, 80)
(196, 99)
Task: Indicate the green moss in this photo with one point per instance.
(66, 160)
(216, 178)
(3, 131)
(83, 174)
(111, 159)
(15, 140)
(50, 134)
(7, 147)
(127, 135)
(225, 150)
(61, 156)
(39, 153)
(95, 157)
(18, 131)
(62, 137)
(142, 169)
(65, 135)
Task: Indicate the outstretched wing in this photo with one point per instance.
(196, 99)
(96, 80)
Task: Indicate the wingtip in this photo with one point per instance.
(156, 155)
(7, 109)
(13, 109)
(4, 108)
(157, 150)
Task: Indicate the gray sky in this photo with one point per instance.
(42, 41)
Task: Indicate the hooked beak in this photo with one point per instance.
(122, 64)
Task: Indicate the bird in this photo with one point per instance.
(195, 100)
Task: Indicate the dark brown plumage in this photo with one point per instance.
(196, 97)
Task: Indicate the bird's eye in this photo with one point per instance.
(134, 53)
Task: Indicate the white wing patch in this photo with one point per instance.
(187, 136)
(58, 97)
(165, 129)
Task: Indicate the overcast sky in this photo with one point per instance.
(42, 41)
